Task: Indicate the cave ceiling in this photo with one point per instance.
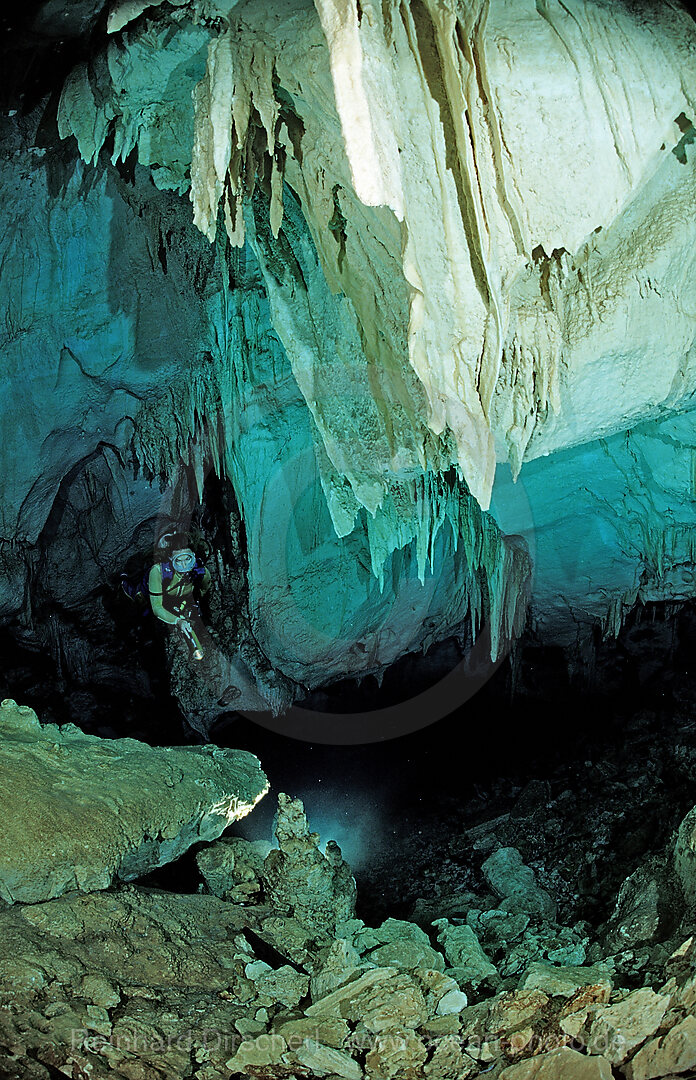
(415, 279)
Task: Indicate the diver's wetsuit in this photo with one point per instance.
(175, 598)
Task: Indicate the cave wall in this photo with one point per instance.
(364, 310)
(160, 366)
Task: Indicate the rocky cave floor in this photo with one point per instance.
(530, 914)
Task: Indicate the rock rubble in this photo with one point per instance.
(282, 981)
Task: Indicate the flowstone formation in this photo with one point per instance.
(228, 983)
(326, 278)
(80, 812)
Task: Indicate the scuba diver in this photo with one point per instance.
(176, 585)
(172, 587)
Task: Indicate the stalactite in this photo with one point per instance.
(416, 511)
(237, 89)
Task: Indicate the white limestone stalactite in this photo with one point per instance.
(237, 86)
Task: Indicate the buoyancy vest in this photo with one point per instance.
(195, 576)
(139, 588)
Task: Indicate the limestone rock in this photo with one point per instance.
(66, 828)
(670, 1055)
(685, 856)
(510, 1011)
(328, 1031)
(516, 884)
(407, 955)
(449, 1062)
(396, 1054)
(616, 1030)
(282, 985)
(318, 890)
(497, 929)
(443, 996)
(339, 964)
(566, 981)
(439, 1026)
(299, 943)
(401, 944)
(383, 999)
(322, 1060)
(258, 1054)
(565, 1063)
(163, 973)
(469, 964)
(636, 918)
(100, 991)
(232, 868)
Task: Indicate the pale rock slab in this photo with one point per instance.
(383, 999)
(672, 1054)
(66, 828)
(565, 1063)
(340, 963)
(443, 996)
(258, 1053)
(617, 1030)
(325, 1060)
(407, 955)
(328, 1031)
(567, 981)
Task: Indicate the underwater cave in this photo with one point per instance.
(348, 540)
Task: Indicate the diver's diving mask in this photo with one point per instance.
(183, 561)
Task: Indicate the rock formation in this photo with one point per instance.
(367, 322)
(139, 982)
(80, 812)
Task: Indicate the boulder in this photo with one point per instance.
(563, 1064)
(512, 1010)
(407, 955)
(80, 811)
(566, 981)
(670, 1055)
(449, 1061)
(442, 994)
(516, 885)
(328, 1031)
(339, 964)
(685, 856)
(617, 1030)
(257, 1054)
(232, 868)
(284, 985)
(497, 929)
(469, 965)
(383, 999)
(396, 1054)
(636, 917)
(324, 1060)
(317, 889)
